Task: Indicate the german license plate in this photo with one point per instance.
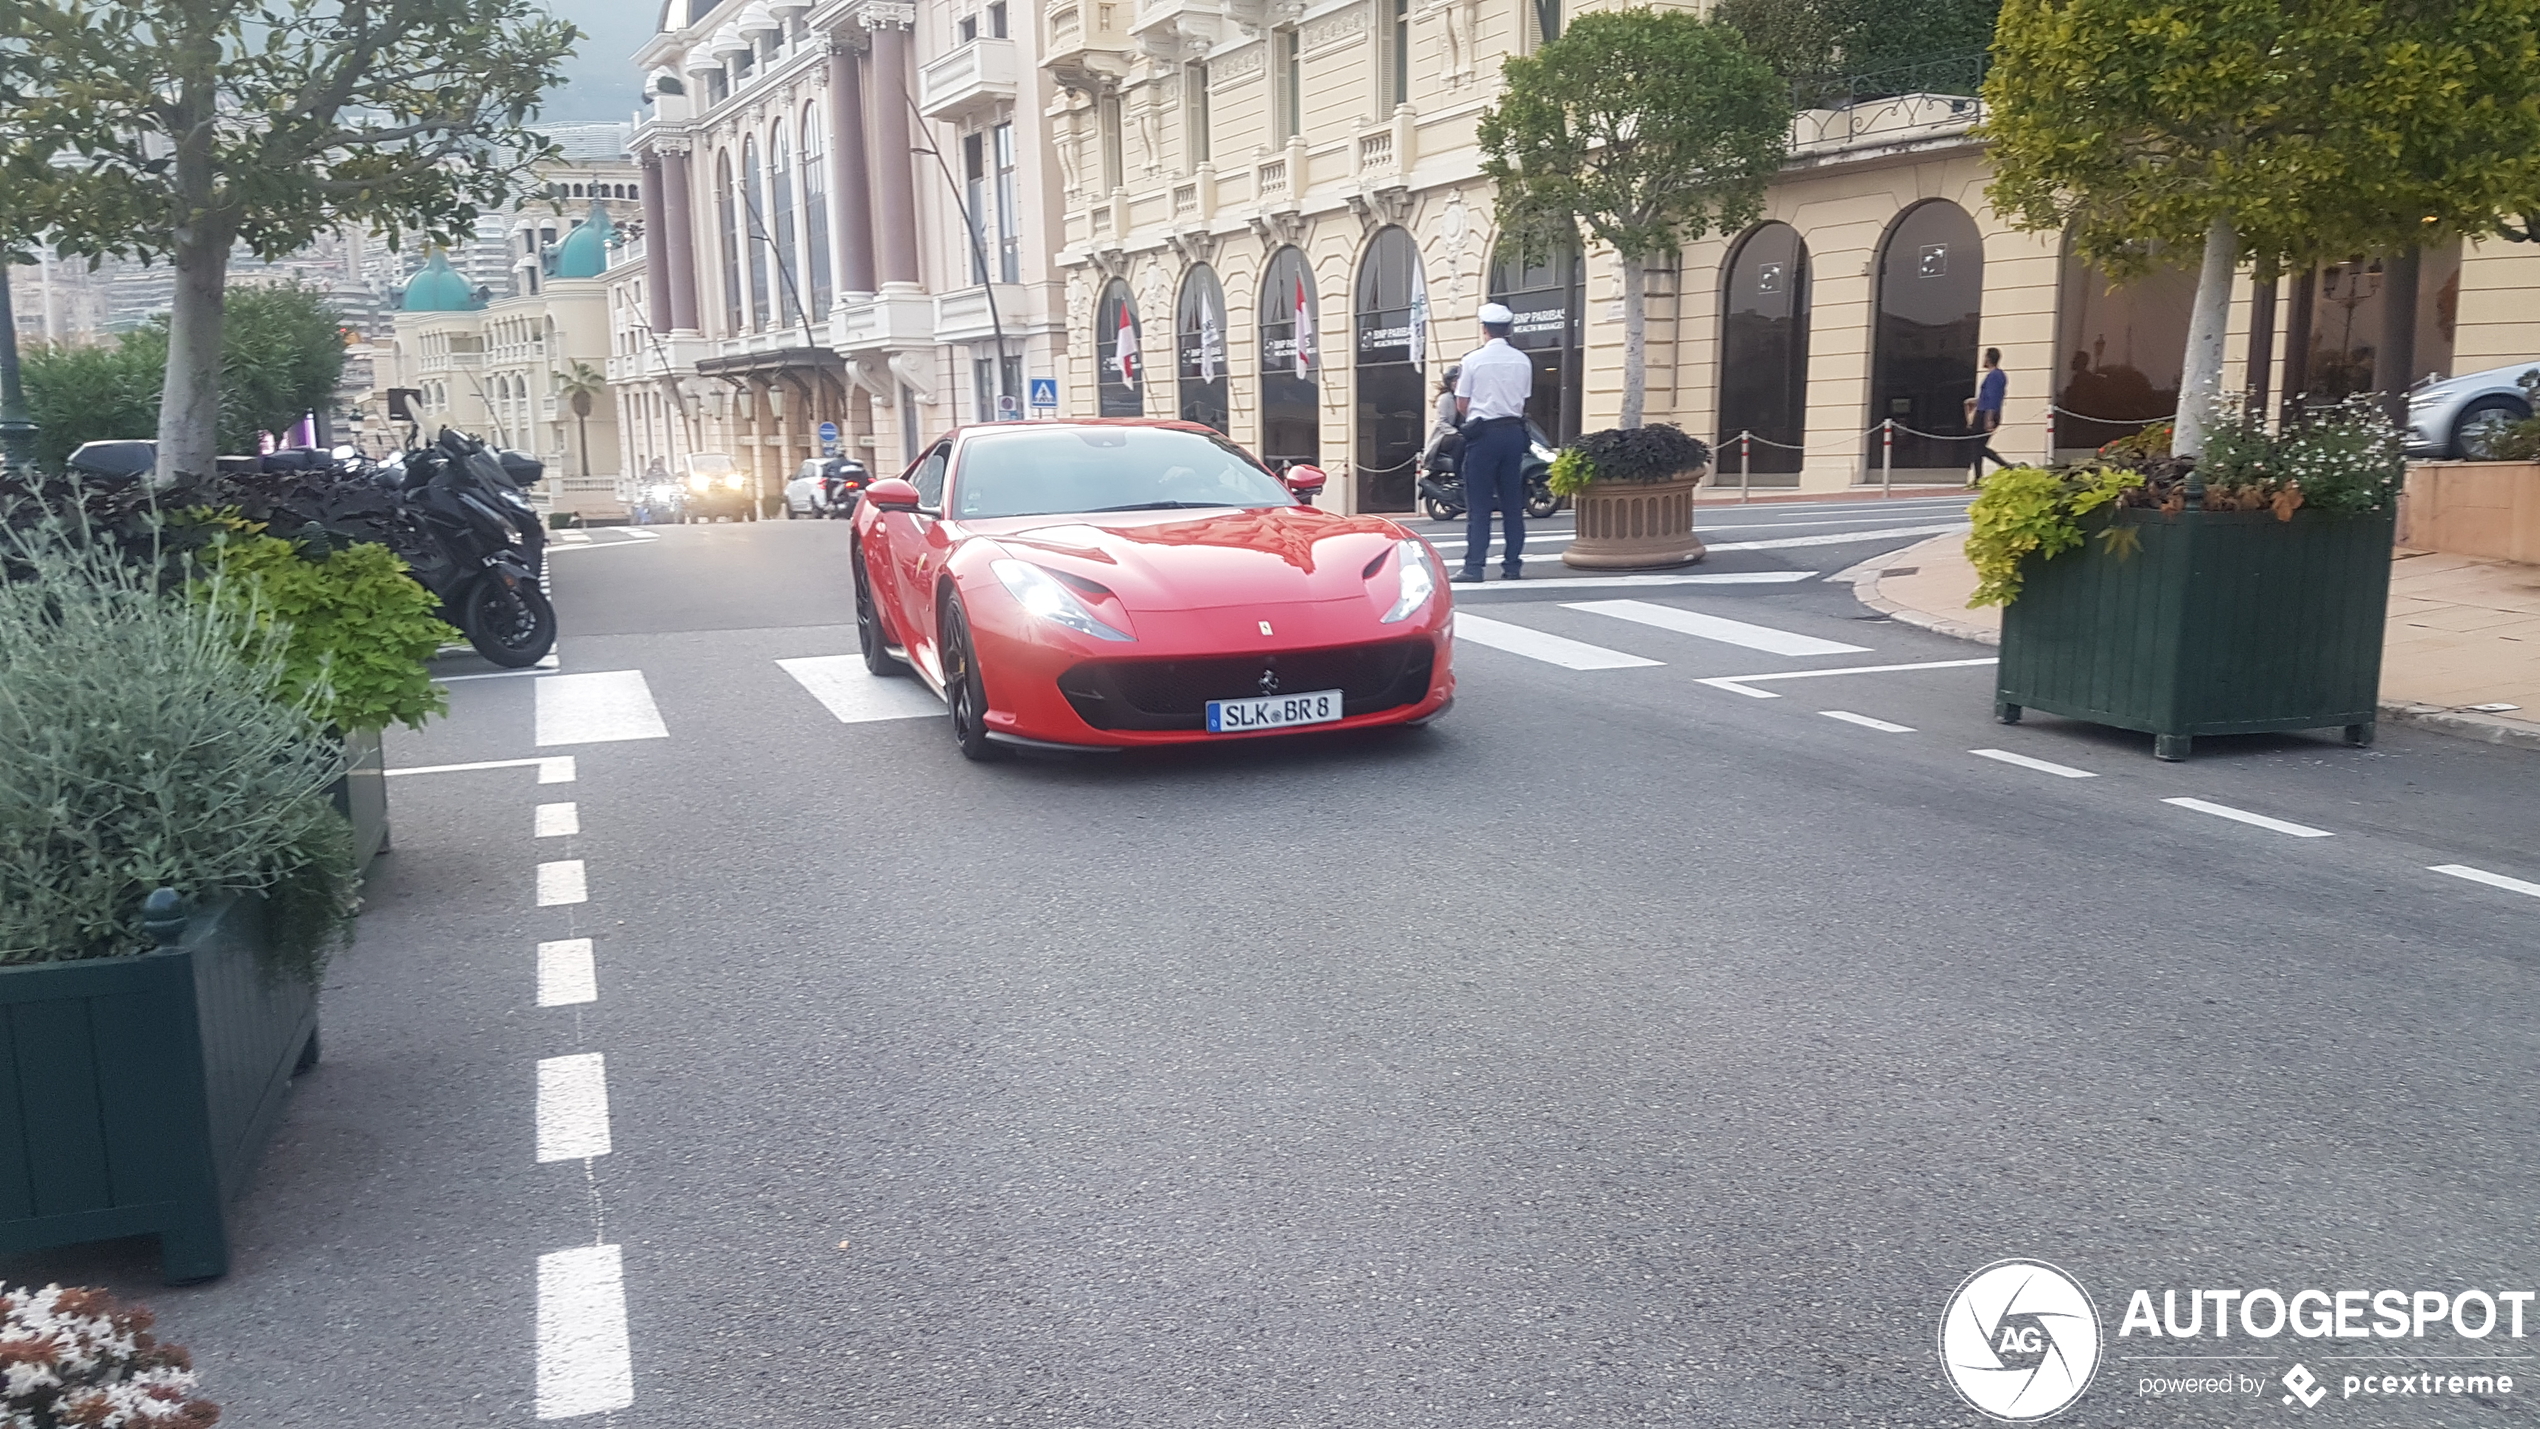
(1273, 712)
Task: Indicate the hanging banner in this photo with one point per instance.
(1419, 318)
(1304, 330)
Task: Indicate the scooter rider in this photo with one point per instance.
(1490, 395)
(1443, 424)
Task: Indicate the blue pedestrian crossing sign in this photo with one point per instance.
(1044, 392)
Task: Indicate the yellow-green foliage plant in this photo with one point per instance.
(360, 627)
(2029, 510)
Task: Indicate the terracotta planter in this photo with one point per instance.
(1637, 525)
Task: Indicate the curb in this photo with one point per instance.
(2440, 719)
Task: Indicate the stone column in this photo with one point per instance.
(895, 183)
(679, 241)
(853, 179)
(656, 238)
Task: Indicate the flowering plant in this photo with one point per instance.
(79, 1359)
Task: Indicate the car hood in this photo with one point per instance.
(1196, 560)
(2508, 379)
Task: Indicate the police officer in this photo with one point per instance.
(1490, 397)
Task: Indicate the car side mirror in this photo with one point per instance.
(892, 494)
(1305, 482)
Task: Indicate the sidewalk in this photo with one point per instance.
(2463, 632)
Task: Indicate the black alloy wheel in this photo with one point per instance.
(965, 693)
(1540, 504)
(872, 638)
(2475, 431)
(512, 625)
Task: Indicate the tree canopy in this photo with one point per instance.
(1646, 128)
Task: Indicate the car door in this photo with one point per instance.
(917, 542)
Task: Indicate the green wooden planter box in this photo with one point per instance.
(2217, 622)
(361, 796)
(135, 1092)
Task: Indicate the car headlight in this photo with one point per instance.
(1044, 595)
(1419, 580)
(733, 481)
(699, 483)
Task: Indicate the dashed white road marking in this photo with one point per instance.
(583, 1363)
(2064, 771)
(573, 1107)
(552, 768)
(1837, 538)
(556, 769)
(561, 882)
(557, 821)
(1848, 717)
(567, 974)
(597, 708)
(1713, 627)
(2225, 811)
(1535, 645)
(1627, 582)
(856, 695)
(2492, 880)
(1739, 683)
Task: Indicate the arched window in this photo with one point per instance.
(1199, 342)
(1546, 292)
(728, 224)
(816, 212)
(1291, 363)
(1121, 380)
(780, 183)
(1923, 363)
(1764, 358)
(1393, 338)
(754, 204)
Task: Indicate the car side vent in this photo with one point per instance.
(1080, 585)
(1374, 566)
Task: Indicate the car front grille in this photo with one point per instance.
(1174, 694)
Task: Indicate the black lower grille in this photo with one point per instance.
(1174, 694)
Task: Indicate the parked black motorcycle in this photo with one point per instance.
(1441, 482)
(486, 548)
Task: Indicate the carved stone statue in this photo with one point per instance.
(1064, 138)
(1151, 129)
(1455, 232)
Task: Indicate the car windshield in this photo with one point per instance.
(1083, 470)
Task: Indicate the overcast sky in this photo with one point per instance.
(601, 81)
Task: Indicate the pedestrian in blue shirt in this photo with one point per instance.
(1984, 413)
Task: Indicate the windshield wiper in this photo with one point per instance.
(1161, 506)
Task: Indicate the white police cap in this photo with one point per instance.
(1497, 314)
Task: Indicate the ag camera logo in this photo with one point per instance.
(2019, 1340)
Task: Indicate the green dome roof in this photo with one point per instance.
(585, 251)
(438, 289)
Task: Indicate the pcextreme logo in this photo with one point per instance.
(2019, 1340)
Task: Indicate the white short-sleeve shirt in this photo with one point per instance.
(1496, 381)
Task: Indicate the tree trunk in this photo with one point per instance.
(2200, 383)
(1635, 338)
(189, 399)
(582, 429)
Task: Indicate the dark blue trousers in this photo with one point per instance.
(1494, 475)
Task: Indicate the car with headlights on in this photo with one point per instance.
(1101, 584)
(714, 485)
(2460, 417)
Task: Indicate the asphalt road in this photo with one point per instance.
(1623, 1050)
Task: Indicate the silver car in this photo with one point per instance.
(2461, 417)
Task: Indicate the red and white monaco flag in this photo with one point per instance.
(1125, 343)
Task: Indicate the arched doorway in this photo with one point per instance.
(1291, 365)
(1393, 337)
(1764, 359)
(1120, 365)
(1199, 328)
(1923, 363)
(1545, 292)
(2120, 349)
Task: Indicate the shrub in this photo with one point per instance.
(359, 629)
(142, 744)
(2025, 510)
(80, 1358)
(1653, 453)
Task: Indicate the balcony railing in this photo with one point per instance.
(1925, 99)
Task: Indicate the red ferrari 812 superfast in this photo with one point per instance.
(1107, 584)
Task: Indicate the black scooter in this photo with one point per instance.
(485, 549)
(1441, 482)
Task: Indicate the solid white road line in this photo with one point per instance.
(560, 883)
(1627, 582)
(566, 973)
(553, 661)
(1535, 645)
(583, 1364)
(596, 708)
(544, 763)
(1848, 717)
(2492, 880)
(557, 821)
(573, 1107)
(1739, 683)
(2041, 766)
(1713, 627)
(2225, 811)
(857, 696)
(1839, 538)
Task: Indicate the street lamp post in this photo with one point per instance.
(17, 426)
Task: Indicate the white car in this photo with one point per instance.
(2459, 416)
(805, 496)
